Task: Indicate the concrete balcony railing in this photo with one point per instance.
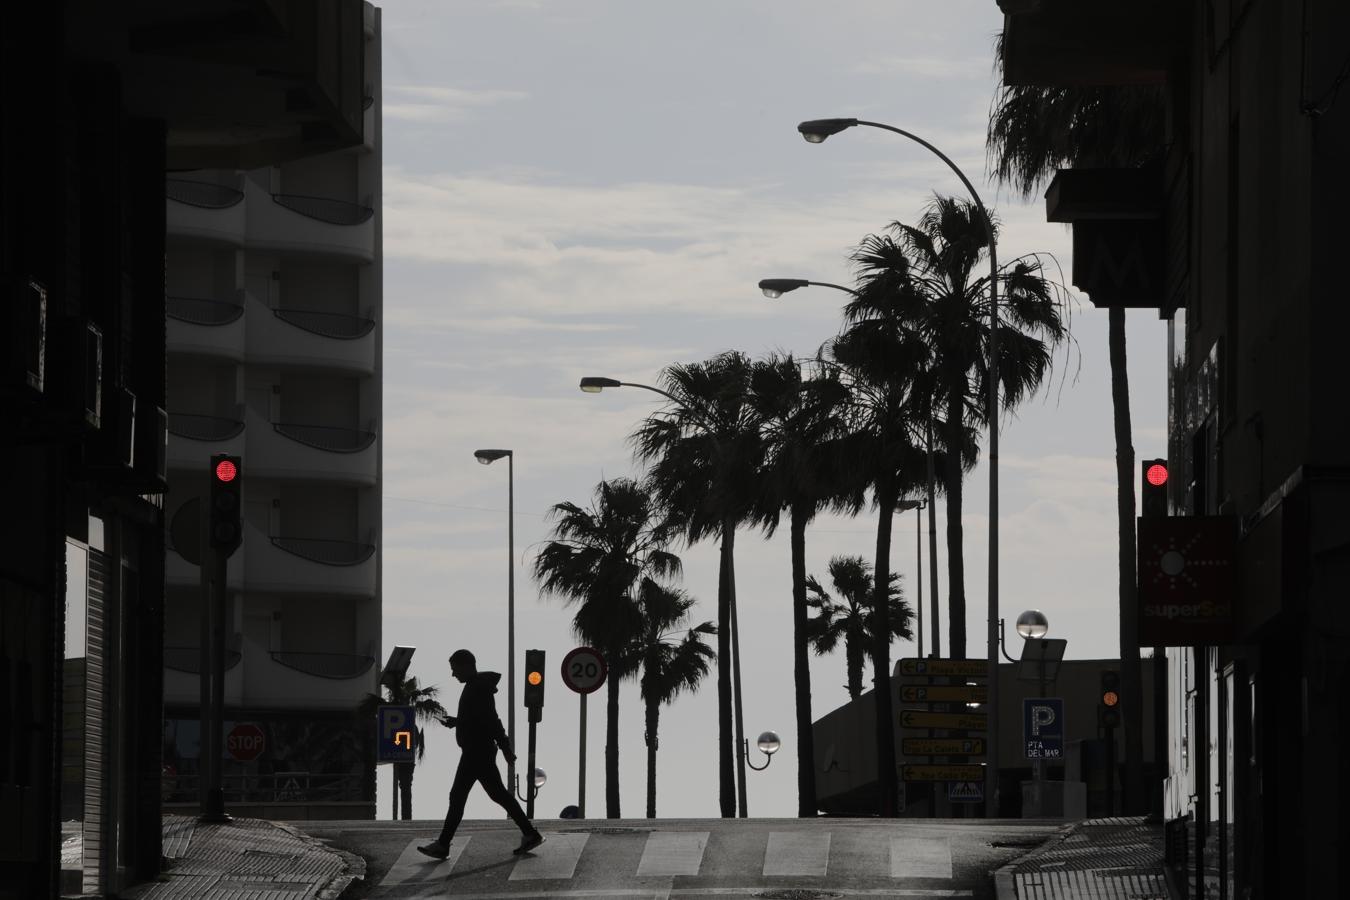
(280, 679)
(290, 564)
(301, 452)
(205, 210)
(309, 338)
(194, 438)
(295, 223)
(180, 573)
(182, 687)
(198, 326)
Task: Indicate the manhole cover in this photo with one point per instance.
(795, 894)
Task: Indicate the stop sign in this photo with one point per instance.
(245, 742)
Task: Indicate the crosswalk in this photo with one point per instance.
(796, 853)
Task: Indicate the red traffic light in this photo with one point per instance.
(226, 471)
(1156, 474)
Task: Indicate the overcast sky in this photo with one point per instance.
(593, 187)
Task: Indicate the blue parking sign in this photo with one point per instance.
(395, 734)
(1043, 727)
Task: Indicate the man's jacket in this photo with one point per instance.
(477, 726)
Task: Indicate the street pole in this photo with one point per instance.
(932, 540)
(530, 789)
(511, 621)
(581, 764)
(918, 568)
(212, 683)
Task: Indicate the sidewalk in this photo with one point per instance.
(1120, 859)
(249, 858)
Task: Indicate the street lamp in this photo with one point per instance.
(815, 131)
(768, 744)
(774, 288)
(487, 458)
(595, 384)
(1032, 625)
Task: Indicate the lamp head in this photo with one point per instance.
(1032, 624)
(768, 743)
(488, 457)
(817, 130)
(774, 288)
(593, 384)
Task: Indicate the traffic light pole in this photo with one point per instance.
(530, 789)
(212, 680)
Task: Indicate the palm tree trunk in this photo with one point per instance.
(956, 561)
(653, 717)
(726, 773)
(612, 747)
(881, 653)
(1133, 796)
(853, 659)
(405, 788)
(801, 670)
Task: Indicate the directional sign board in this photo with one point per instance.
(913, 718)
(939, 772)
(395, 734)
(942, 746)
(969, 668)
(1043, 727)
(584, 670)
(941, 693)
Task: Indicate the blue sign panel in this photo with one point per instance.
(395, 734)
(1043, 727)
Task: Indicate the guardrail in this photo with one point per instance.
(325, 209)
(204, 428)
(333, 325)
(328, 552)
(326, 437)
(272, 787)
(202, 311)
(203, 194)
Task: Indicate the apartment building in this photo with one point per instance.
(273, 282)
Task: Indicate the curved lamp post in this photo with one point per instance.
(487, 458)
(768, 744)
(594, 385)
(815, 131)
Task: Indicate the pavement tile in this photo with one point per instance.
(1118, 858)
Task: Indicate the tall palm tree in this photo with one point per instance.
(598, 559)
(669, 666)
(882, 358)
(801, 427)
(1034, 130)
(930, 270)
(705, 450)
(426, 708)
(849, 619)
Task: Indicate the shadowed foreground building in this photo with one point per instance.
(100, 101)
(1238, 237)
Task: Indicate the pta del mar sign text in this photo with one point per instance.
(1187, 580)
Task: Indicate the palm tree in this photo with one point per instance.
(426, 708)
(928, 271)
(668, 666)
(801, 427)
(850, 618)
(598, 559)
(704, 451)
(1034, 130)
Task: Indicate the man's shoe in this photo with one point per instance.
(529, 842)
(436, 850)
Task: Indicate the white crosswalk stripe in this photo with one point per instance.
(673, 853)
(555, 858)
(921, 857)
(412, 867)
(797, 853)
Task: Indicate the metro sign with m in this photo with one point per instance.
(395, 734)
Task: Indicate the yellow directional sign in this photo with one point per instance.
(938, 693)
(913, 718)
(970, 668)
(942, 746)
(942, 773)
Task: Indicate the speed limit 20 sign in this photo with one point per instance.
(584, 670)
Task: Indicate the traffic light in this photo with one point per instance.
(223, 529)
(1153, 488)
(1108, 710)
(534, 683)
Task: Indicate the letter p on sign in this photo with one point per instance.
(1041, 717)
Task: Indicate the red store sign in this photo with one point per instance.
(1187, 580)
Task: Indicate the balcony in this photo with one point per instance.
(189, 659)
(205, 210)
(290, 563)
(194, 438)
(200, 326)
(300, 452)
(310, 338)
(292, 223)
(286, 679)
(182, 670)
(178, 572)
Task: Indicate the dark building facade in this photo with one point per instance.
(99, 102)
(1238, 239)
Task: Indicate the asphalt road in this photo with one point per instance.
(774, 859)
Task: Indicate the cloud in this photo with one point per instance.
(435, 103)
(935, 67)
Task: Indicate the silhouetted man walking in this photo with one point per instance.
(479, 733)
